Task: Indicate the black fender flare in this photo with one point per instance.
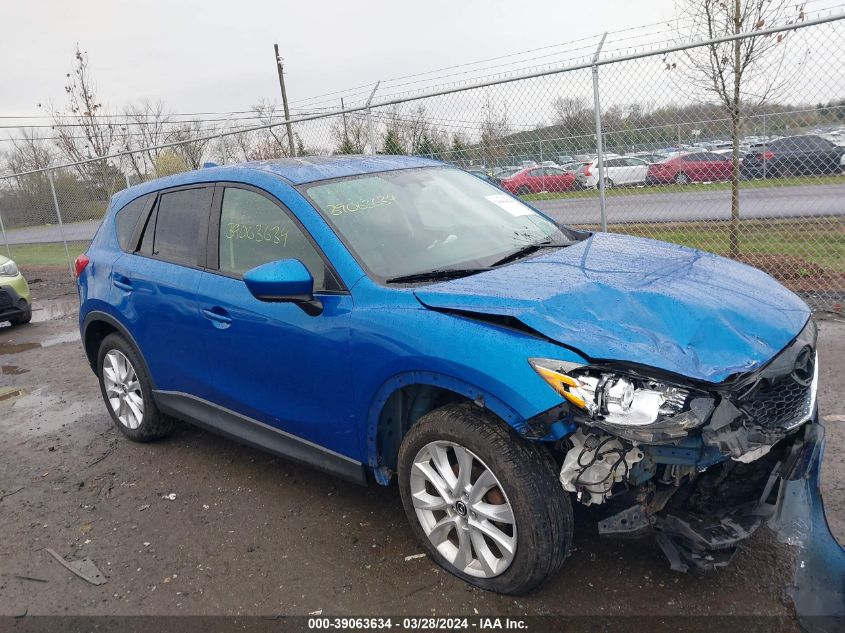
(97, 316)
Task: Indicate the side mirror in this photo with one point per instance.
(285, 280)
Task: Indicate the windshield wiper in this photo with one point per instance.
(525, 251)
(432, 275)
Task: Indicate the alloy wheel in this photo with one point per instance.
(123, 390)
(463, 509)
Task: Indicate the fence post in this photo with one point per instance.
(5, 239)
(371, 133)
(59, 217)
(600, 151)
(764, 146)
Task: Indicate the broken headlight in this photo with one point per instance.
(628, 405)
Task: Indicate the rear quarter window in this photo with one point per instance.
(126, 220)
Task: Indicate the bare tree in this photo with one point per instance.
(29, 152)
(494, 127)
(191, 151)
(85, 130)
(741, 73)
(572, 113)
(350, 134)
(148, 125)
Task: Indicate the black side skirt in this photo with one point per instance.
(251, 432)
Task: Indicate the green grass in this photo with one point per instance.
(673, 188)
(44, 254)
(819, 241)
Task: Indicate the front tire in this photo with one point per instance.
(523, 190)
(681, 179)
(127, 391)
(25, 318)
(484, 503)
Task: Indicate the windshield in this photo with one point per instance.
(405, 222)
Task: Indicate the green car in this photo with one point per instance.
(15, 300)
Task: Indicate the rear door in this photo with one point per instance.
(161, 301)
(635, 171)
(557, 179)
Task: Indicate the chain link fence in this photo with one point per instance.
(648, 143)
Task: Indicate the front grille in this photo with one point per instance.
(781, 402)
(5, 300)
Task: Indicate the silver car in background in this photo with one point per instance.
(619, 171)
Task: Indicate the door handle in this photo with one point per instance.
(218, 316)
(119, 281)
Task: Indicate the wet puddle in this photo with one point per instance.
(67, 337)
(17, 348)
(54, 309)
(12, 370)
(10, 394)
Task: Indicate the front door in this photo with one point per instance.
(273, 362)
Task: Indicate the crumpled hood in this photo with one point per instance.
(614, 297)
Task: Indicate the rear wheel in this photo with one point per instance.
(608, 183)
(682, 178)
(485, 504)
(127, 391)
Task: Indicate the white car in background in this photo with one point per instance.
(619, 171)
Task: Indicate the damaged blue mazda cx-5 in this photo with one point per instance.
(394, 317)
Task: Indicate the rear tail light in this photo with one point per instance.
(80, 264)
(587, 170)
(765, 155)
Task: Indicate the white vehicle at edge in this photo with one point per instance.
(618, 171)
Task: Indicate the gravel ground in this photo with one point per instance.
(198, 525)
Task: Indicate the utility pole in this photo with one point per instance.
(284, 99)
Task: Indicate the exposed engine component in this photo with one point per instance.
(594, 464)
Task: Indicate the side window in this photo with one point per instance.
(254, 230)
(177, 224)
(126, 219)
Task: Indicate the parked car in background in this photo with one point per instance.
(651, 157)
(574, 166)
(565, 158)
(691, 167)
(506, 172)
(15, 298)
(619, 171)
(793, 156)
(537, 179)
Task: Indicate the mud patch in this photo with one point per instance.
(12, 370)
(17, 348)
(9, 393)
(50, 309)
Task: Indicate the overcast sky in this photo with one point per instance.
(217, 56)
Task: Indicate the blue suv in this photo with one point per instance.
(394, 317)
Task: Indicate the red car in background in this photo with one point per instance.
(693, 167)
(537, 179)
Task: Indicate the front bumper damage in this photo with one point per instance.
(750, 459)
(704, 506)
